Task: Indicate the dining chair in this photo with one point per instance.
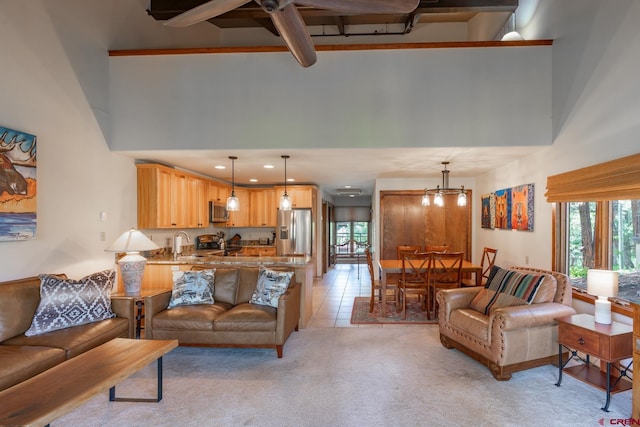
(487, 263)
(401, 249)
(415, 278)
(436, 248)
(377, 285)
(447, 273)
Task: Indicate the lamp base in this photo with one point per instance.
(132, 268)
(603, 311)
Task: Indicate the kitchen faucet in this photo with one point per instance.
(177, 243)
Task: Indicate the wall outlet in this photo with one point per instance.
(526, 260)
(103, 236)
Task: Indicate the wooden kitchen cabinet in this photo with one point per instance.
(240, 218)
(168, 198)
(301, 196)
(218, 192)
(262, 207)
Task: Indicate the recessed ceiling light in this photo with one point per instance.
(347, 186)
(220, 167)
(291, 179)
(268, 166)
(253, 180)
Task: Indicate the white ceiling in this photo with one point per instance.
(330, 169)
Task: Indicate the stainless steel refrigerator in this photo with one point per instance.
(293, 234)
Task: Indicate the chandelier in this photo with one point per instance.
(439, 192)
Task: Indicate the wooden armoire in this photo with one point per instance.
(404, 221)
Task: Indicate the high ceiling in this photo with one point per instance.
(433, 20)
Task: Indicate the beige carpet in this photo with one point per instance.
(367, 376)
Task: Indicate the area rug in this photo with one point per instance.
(360, 313)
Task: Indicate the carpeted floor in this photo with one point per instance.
(396, 376)
(361, 315)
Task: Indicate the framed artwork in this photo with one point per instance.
(488, 210)
(522, 207)
(18, 189)
(503, 209)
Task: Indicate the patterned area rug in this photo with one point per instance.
(360, 313)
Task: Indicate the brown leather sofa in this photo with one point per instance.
(231, 321)
(23, 357)
(508, 339)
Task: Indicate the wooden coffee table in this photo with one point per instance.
(59, 390)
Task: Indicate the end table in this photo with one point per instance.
(609, 343)
(139, 301)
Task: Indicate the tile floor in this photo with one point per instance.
(334, 293)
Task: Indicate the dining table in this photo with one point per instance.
(391, 269)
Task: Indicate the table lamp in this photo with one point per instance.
(132, 264)
(603, 284)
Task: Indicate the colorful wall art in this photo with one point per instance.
(509, 208)
(488, 210)
(18, 189)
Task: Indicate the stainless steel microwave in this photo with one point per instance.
(217, 213)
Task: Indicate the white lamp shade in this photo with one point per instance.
(512, 36)
(602, 283)
(132, 241)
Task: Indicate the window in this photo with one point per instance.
(617, 223)
(597, 222)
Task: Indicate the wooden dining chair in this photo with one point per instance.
(436, 248)
(487, 263)
(415, 278)
(447, 273)
(401, 249)
(376, 285)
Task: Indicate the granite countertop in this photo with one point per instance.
(216, 257)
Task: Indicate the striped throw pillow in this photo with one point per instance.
(506, 288)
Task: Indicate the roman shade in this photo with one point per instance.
(352, 213)
(615, 180)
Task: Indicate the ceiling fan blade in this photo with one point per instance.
(293, 31)
(203, 12)
(363, 6)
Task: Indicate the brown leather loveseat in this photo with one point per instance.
(25, 356)
(508, 338)
(231, 321)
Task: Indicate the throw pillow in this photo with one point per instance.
(271, 285)
(65, 303)
(506, 288)
(192, 287)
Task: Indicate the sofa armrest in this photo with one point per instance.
(288, 315)
(526, 316)
(452, 299)
(153, 305)
(125, 307)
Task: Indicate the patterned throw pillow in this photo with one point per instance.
(506, 288)
(271, 285)
(192, 287)
(65, 303)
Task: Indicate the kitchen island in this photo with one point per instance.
(158, 272)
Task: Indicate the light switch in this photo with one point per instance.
(103, 216)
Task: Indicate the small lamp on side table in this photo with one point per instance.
(603, 284)
(132, 264)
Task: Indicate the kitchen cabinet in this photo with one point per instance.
(301, 196)
(258, 251)
(262, 207)
(218, 192)
(240, 218)
(168, 198)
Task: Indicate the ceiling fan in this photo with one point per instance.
(287, 19)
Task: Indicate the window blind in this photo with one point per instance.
(352, 213)
(615, 180)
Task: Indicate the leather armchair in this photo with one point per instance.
(508, 339)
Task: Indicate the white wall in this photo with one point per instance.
(596, 106)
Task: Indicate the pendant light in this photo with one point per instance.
(233, 204)
(512, 35)
(439, 192)
(285, 202)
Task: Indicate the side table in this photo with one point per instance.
(609, 343)
(139, 301)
